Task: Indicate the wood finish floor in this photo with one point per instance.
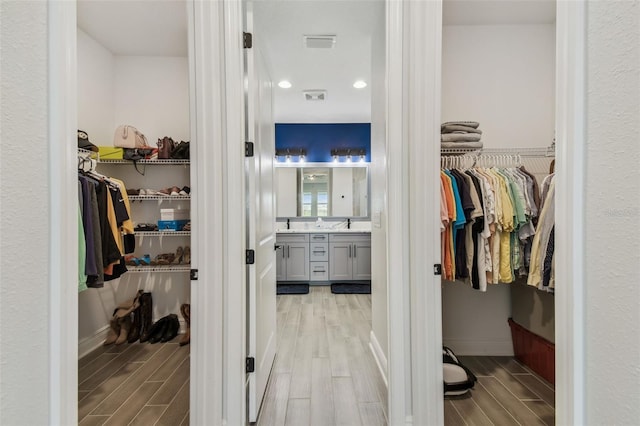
(134, 384)
(324, 372)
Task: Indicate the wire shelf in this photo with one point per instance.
(159, 197)
(522, 152)
(163, 233)
(151, 162)
(160, 268)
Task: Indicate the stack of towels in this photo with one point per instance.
(460, 134)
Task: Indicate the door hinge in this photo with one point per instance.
(250, 364)
(248, 149)
(251, 257)
(193, 275)
(247, 40)
(437, 269)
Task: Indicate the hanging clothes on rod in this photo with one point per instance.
(105, 213)
(490, 205)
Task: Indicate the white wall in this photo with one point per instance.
(612, 214)
(96, 90)
(378, 197)
(342, 192)
(502, 76)
(24, 215)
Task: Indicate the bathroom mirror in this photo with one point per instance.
(320, 191)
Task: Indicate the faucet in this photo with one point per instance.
(288, 224)
(348, 223)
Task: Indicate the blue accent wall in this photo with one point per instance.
(319, 139)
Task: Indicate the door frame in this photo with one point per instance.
(215, 40)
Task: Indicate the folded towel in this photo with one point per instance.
(461, 145)
(473, 124)
(460, 137)
(453, 128)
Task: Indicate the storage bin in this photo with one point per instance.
(171, 225)
(174, 214)
(110, 153)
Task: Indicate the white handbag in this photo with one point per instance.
(129, 137)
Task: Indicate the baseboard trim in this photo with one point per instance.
(480, 347)
(91, 343)
(378, 355)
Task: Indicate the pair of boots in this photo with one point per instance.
(165, 329)
(131, 320)
(185, 309)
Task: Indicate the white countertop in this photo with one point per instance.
(323, 231)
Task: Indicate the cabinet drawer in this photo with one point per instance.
(319, 271)
(319, 238)
(292, 238)
(348, 237)
(319, 252)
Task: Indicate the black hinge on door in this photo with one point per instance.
(437, 269)
(247, 40)
(251, 257)
(250, 365)
(248, 149)
(193, 275)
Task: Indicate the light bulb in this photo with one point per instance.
(359, 84)
(302, 158)
(362, 158)
(335, 158)
(288, 159)
(348, 158)
(284, 84)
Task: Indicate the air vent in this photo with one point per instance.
(315, 95)
(319, 41)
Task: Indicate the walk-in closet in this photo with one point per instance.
(498, 114)
(134, 312)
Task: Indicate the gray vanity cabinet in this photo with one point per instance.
(292, 257)
(349, 257)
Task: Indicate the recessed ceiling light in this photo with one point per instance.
(360, 84)
(284, 84)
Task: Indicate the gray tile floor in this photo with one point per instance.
(324, 374)
(134, 384)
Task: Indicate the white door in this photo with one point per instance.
(261, 221)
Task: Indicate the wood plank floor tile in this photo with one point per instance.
(360, 373)
(93, 421)
(320, 342)
(344, 401)
(543, 410)
(169, 388)
(110, 404)
(322, 407)
(491, 407)
(171, 364)
(539, 387)
(515, 407)
(372, 414)
(509, 381)
(338, 352)
(178, 408)
(300, 386)
(475, 366)
(98, 395)
(109, 368)
(510, 364)
(274, 406)
(82, 394)
(91, 356)
(185, 421)
(298, 412)
(286, 349)
(132, 406)
(470, 411)
(148, 415)
(451, 415)
(89, 369)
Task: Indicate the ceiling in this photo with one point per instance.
(159, 28)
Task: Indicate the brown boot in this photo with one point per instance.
(185, 309)
(114, 331)
(125, 327)
(146, 315)
(136, 320)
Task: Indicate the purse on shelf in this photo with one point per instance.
(127, 136)
(166, 146)
(181, 151)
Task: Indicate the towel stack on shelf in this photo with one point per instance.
(460, 134)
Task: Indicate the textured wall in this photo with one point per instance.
(24, 214)
(612, 213)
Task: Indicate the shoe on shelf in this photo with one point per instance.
(163, 259)
(175, 191)
(178, 258)
(187, 227)
(186, 256)
(185, 191)
(133, 192)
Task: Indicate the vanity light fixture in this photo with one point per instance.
(360, 84)
(290, 153)
(284, 84)
(348, 153)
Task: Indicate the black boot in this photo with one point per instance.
(173, 325)
(146, 316)
(136, 320)
(158, 329)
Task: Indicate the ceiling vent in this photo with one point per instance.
(315, 95)
(319, 41)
